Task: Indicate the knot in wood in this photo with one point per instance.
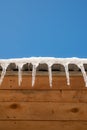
(14, 106)
(74, 110)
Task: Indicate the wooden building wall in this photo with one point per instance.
(61, 107)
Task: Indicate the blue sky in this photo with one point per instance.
(55, 28)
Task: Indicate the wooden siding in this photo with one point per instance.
(40, 107)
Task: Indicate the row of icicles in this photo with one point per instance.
(4, 64)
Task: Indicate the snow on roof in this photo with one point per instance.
(35, 61)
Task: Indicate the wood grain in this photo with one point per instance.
(61, 96)
(41, 107)
(43, 111)
(43, 125)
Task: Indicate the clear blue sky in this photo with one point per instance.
(43, 28)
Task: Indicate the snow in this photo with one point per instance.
(35, 61)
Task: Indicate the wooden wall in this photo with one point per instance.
(61, 107)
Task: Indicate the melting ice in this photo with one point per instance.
(35, 61)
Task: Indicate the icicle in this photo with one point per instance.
(83, 73)
(4, 67)
(33, 75)
(19, 76)
(41, 60)
(50, 75)
(67, 74)
(19, 73)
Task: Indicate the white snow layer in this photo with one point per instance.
(35, 61)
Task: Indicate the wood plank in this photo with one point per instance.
(43, 111)
(42, 82)
(61, 96)
(43, 125)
